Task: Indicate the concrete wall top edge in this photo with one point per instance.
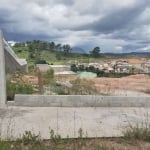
(28, 95)
(79, 101)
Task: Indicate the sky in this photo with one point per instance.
(113, 25)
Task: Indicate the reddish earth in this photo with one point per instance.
(131, 60)
(138, 83)
(136, 60)
(133, 83)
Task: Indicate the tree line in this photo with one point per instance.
(44, 45)
(38, 45)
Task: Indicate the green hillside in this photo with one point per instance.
(48, 52)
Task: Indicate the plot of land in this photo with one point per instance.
(133, 85)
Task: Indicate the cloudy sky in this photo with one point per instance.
(114, 25)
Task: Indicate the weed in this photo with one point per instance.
(101, 147)
(138, 131)
(57, 142)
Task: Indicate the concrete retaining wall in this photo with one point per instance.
(79, 101)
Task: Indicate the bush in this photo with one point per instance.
(74, 68)
(81, 87)
(81, 68)
(48, 77)
(17, 88)
(40, 62)
(140, 131)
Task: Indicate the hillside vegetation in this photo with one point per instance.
(51, 53)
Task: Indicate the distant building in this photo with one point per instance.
(60, 71)
(63, 72)
(66, 75)
(122, 66)
(11, 43)
(60, 68)
(43, 67)
(146, 66)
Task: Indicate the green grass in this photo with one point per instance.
(21, 52)
(51, 57)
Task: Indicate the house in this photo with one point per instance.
(122, 66)
(146, 66)
(60, 68)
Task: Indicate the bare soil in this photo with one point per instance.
(111, 144)
(88, 144)
(136, 83)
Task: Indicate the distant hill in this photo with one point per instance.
(78, 50)
(128, 54)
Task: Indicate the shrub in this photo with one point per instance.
(140, 131)
(40, 61)
(17, 88)
(81, 87)
(74, 68)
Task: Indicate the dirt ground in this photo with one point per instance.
(134, 60)
(130, 85)
(111, 144)
(84, 144)
(137, 83)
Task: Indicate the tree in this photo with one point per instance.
(96, 51)
(66, 48)
(81, 68)
(19, 44)
(91, 69)
(40, 61)
(52, 46)
(74, 68)
(58, 47)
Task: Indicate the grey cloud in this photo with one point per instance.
(26, 37)
(145, 42)
(5, 17)
(36, 19)
(117, 20)
(66, 2)
(52, 2)
(132, 47)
